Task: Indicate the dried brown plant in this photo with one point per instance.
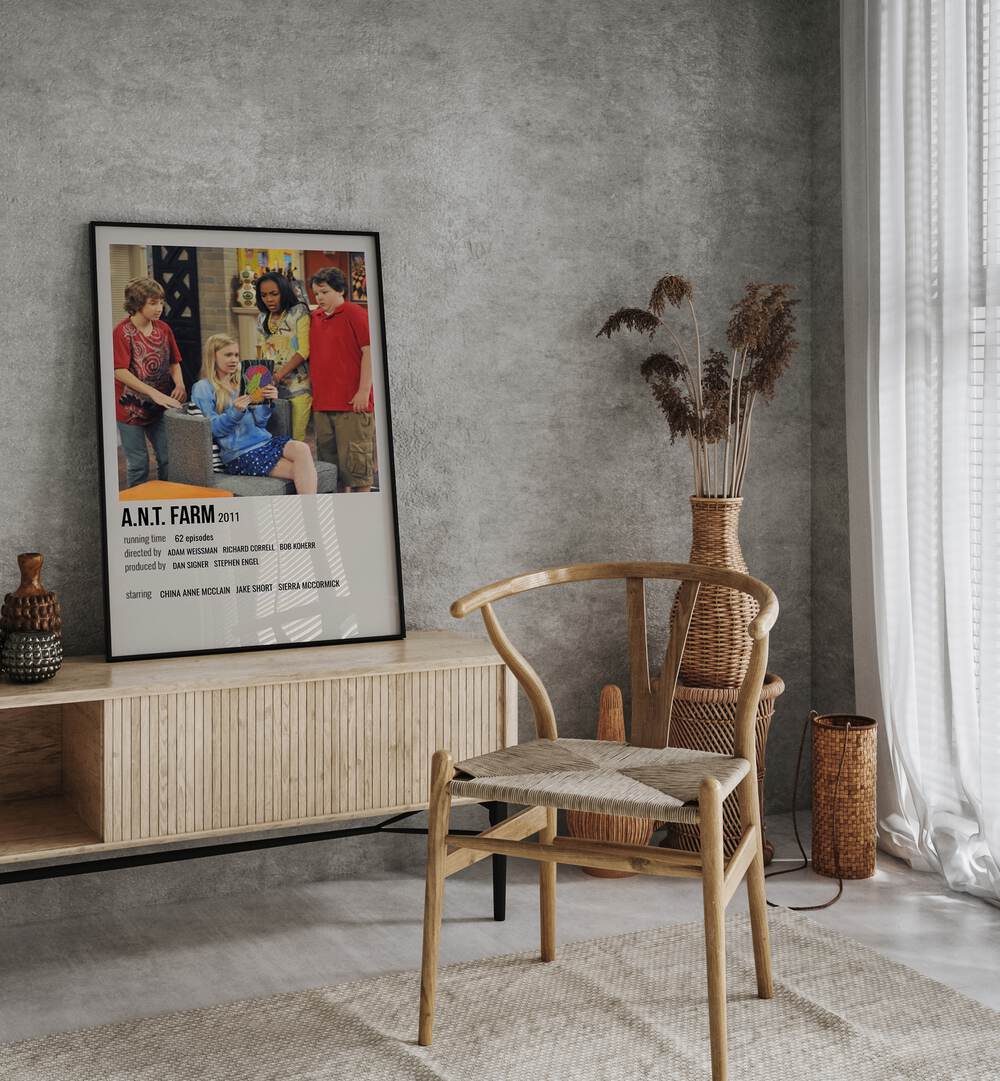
(710, 403)
(630, 319)
(672, 288)
(662, 371)
(661, 365)
(715, 395)
(775, 346)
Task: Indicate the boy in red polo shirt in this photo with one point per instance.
(340, 361)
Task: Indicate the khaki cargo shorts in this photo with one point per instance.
(348, 440)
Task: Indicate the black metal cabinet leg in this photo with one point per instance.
(497, 813)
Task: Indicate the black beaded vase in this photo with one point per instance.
(30, 656)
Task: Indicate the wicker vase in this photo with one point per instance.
(597, 827)
(717, 652)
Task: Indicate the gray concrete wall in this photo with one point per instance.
(530, 166)
(832, 648)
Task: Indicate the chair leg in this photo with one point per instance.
(758, 925)
(439, 809)
(756, 894)
(497, 813)
(547, 891)
(713, 868)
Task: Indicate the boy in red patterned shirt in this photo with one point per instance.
(148, 379)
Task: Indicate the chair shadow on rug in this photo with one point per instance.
(641, 779)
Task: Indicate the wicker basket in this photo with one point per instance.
(704, 719)
(717, 649)
(843, 812)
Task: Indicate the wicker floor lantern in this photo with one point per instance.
(843, 809)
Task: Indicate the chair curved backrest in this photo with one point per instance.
(651, 704)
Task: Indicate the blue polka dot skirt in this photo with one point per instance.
(261, 460)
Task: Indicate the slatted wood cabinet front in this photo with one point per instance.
(119, 769)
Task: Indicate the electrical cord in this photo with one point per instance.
(795, 824)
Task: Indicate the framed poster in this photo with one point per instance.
(245, 439)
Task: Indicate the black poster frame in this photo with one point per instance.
(374, 237)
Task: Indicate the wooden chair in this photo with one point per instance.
(643, 779)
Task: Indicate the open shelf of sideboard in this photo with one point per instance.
(51, 770)
(43, 826)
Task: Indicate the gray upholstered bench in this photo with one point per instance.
(189, 446)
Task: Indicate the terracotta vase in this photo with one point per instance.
(31, 607)
(618, 828)
(717, 652)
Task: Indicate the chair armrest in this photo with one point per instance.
(189, 448)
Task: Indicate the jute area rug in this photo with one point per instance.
(633, 1006)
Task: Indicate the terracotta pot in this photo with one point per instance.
(618, 828)
(717, 652)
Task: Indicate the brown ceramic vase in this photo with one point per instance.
(31, 607)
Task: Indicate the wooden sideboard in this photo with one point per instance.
(105, 757)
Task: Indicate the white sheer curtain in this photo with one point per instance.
(922, 293)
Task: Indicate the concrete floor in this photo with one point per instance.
(74, 973)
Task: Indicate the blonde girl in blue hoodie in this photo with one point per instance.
(246, 447)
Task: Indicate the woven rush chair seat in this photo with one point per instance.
(593, 775)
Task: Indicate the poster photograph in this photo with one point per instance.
(248, 494)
